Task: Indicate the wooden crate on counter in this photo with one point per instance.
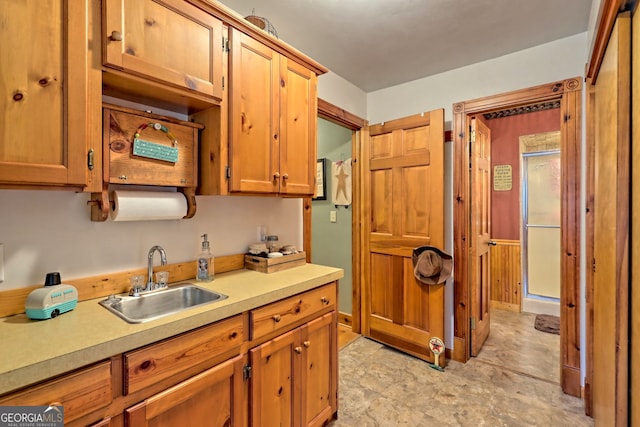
(270, 265)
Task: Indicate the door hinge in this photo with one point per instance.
(225, 44)
(472, 136)
(593, 265)
(90, 159)
(222, 82)
(246, 372)
(473, 323)
(228, 172)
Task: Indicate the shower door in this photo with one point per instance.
(541, 225)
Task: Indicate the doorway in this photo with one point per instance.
(568, 93)
(541, 173)
(355, 124)
(330, 222)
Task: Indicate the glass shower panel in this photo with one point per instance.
(543, 258)
(542, 224)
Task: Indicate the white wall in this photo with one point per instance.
(593, 21)
(44, 231)
(336, 90)
(546, 63)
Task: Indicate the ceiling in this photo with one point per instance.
(380, 43)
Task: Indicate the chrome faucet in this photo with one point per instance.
(163, 261)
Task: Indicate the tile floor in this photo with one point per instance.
(380, 386)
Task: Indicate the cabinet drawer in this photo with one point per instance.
(80, 392)
(282, 314)
(169, 358)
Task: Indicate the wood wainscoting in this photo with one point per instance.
(506, 275)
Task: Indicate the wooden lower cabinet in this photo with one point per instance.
(81, 392)
(285, 375)
(294, 376)
(213, 398)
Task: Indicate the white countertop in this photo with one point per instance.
(34, 350)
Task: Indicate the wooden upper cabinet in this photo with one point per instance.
(43, 95)
(298, 128)
(272, 120)
(253, 115)
(169, 41)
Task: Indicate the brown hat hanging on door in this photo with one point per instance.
(431, 266)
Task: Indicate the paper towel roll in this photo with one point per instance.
(147, 205)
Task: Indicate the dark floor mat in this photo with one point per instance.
(548, 323)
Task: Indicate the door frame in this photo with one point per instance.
(358, 128)
(569, 93)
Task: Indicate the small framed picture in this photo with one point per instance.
(321, 185)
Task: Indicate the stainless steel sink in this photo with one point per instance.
(157, 304)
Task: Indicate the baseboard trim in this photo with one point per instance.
(458, 352)
(531, 305)
(505, 306)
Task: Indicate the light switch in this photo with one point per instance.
(333, 216)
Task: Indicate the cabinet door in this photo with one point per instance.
(213, 398)
(253, 117)
(170, 41)
(43, 95)
(298, 128)
(320, 370)
(275, 365)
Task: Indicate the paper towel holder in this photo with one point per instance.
(101, 204)
(121, 126)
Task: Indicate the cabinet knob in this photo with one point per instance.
(276, 175)
(285, 176)
(123, 177)
(277, 318)
(298, 350)
(307, 344)
(325, 300)
(116, 36)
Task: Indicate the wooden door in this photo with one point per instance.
(298, 128)
(44, 122)
(212, 398)
(274, 368)
(611, 231)
(170, 41)
(404, 203)
(319, 372)
(480, 229)
(254, 116)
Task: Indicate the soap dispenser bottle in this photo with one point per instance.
(205, 269)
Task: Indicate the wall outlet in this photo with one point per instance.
(1, 263)
(333, 216)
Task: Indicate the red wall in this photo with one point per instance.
(505, 150)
